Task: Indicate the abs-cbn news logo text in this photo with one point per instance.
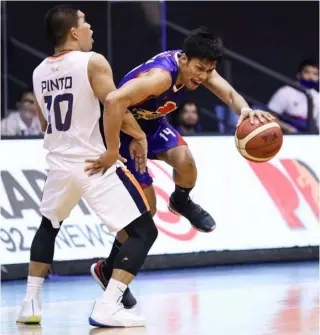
(288, 182)
(21, 196)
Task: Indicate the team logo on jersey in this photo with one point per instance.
(169, 107)
(145, 114)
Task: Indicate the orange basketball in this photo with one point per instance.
(258, 142)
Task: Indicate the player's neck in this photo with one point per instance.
(179, 81)
(65, 48)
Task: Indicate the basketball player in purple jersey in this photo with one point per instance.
(150, 92)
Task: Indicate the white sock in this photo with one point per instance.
(114, 291)
(33, 287)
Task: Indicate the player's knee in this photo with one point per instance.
(42, 247)
(47, 228)
(153, 230)
(122, 236)
(187, 163)
(143, 228)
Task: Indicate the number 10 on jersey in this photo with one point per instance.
(54, 106)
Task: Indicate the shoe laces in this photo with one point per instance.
(119, 303)
(196, 206)
(119, 306)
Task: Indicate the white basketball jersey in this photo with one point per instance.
(66, 99)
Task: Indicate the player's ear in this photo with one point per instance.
(183, 58)
(73, 32)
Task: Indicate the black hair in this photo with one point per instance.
(307, 62)
(58, 22)
(203, 44)
(21, 93)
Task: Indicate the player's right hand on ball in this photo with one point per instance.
(138, 152)
(103, 163)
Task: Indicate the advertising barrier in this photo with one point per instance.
(256, 206)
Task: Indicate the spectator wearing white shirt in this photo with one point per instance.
(291, 104)
(24, 121)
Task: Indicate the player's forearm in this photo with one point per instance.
(131, 127)
(112, 121)
(44, 125)
(237, 102)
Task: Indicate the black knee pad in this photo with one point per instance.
(143, 228)
(142, 233)
(42, 247)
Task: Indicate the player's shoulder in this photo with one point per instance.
(168, 58)
(164, 64)
(98, 62)
(98, 59)
(38, 70)
(160, 74)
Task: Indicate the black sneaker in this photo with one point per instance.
(198, 217)
(128, 300)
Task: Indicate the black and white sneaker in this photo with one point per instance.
(198, 217)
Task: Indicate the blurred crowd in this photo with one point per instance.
(23, 120)
(288, 104)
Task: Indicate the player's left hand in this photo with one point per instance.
(103, 163)
(251, 113)
(138, 152)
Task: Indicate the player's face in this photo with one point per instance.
(195, 71)
(83, 33)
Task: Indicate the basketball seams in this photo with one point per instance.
(256, 132)
(248, 152)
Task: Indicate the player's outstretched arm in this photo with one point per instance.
(222, 89)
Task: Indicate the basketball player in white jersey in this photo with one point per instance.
(68, 87)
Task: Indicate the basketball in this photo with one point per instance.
(258, 142)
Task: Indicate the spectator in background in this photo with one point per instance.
(188, 119)
(24, 121)
(291, 104)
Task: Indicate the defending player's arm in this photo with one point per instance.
(43, 121)
(151, 83)
(221, 88)
(101, 79)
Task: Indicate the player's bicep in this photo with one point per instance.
(43, 121)
(100, 77)
(141, 88)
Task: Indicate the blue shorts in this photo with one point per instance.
(161, 139)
